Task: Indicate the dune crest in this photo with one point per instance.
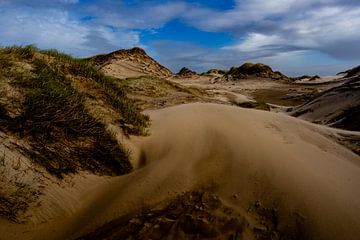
(252, 161)
(126, 63)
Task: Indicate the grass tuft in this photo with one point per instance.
(63, 136)
(26, 52)
(56, 54)
(116, 95)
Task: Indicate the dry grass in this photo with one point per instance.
(155, 93)
(16, 193)
(64, 137)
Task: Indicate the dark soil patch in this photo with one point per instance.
(194, 215)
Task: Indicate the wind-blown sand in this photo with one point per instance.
(246, 158)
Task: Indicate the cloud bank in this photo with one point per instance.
(285, 33)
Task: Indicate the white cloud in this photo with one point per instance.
(176, 55)
(38, 3)
(296, 63)
(48, 29)
(253, 12)
(51, 28)
(257, 42)
(269, 27)
(145, 17)
(69, 1)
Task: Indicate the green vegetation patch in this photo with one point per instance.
(26, 52)
(63, 136)
(250, 68)
(116, 95)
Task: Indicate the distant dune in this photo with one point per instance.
(352, 72)
(130, 63)
(186, 73)
(250, 70)
(337, 107)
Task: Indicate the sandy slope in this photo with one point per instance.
(133, 62)
(334, 107)
(246, 157)
(322, 79)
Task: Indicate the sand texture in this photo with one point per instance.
(211, 171)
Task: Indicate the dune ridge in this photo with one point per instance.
(246, 159)
(337, 107)
(126, 63)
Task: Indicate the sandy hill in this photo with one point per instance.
(186, 73)
(354, 72)
(224, 189)
(58, 116)
(217, 71)
(250, 70)
(306, 77)
(337, 107)
(214, 73)
(130, 63)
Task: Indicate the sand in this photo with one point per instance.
(335, 107)
(130, 63)
(322, 79)
(246, 158)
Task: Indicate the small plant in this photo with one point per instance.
(116, 95)
(2, 160)
(256, 105)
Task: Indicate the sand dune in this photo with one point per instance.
(337, 107)
(247, 159)
(127, 63)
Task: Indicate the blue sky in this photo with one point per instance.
(295, 37)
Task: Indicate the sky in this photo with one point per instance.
(296, 37)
